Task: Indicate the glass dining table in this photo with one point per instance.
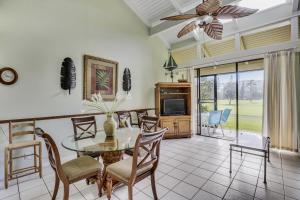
(111, 149)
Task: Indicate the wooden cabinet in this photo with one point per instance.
(178, 125)
(184, 127)
(168, 123)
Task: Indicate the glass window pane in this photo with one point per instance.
(226, 102)
(206, 88)
(251, 101)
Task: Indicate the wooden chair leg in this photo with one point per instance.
(6, 163)
(130, 192)
(40, 160)
(10, 163)
(153, 186)
(108, 186)
(56, 186)
(99, 183)
(34, 158)
(66, 191)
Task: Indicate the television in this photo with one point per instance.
(173, 107)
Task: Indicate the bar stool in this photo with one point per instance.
(19, 130)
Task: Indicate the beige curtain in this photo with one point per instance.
(191, 79)
(280, 105)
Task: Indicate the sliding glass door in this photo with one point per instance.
(230, 99)
(251, 84)
(227, 102)
(217, 92)
(207, 94)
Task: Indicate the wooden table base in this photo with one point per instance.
(110, 158)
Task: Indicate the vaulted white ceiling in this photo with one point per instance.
(151, 11)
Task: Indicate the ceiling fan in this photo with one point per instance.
(208, 15)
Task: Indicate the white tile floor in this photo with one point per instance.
(194, 169)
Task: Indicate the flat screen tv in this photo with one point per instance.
(173, 107)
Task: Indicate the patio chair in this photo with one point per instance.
(214, 120)
(224, 118)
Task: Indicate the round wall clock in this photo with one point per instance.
(8, 76)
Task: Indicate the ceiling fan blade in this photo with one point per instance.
(208, 6)
(231, 11)
(188, 28)
(214, 29)
(180, 17)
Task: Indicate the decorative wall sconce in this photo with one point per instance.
(68, 75)
(126, 80)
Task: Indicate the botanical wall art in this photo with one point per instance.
(100, 75)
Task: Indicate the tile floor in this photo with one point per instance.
(193, 169)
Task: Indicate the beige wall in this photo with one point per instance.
(36, 35)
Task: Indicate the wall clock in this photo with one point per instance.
(8, 76)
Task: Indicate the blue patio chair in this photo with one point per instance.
(224, 118)
(214, 120)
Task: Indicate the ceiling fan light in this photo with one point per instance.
(208, 19)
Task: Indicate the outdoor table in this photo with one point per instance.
(261, 145)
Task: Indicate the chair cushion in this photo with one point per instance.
(24, 144)
(81, 166)
(122, 169)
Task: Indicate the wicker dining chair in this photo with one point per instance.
(21, 130)
(140, 114)
(72, 171)
(84, 127)
(148, 124)
(138, 167)
(124, 117)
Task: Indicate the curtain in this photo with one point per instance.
(191, 79)
(280, 105)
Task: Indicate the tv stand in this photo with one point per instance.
(179, 125)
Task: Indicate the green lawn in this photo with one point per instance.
(250, 114)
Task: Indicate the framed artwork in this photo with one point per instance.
(100, 75)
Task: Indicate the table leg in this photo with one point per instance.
(230, 159)
(110, 158)
(241, 152)
(268, 149)
(265, 167)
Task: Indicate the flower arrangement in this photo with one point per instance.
(98, 104)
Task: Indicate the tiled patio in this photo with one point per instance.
(195, 169)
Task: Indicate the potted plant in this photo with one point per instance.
(98, 104)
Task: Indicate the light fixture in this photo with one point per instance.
(170, 65)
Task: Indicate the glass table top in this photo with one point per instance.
(124, 139)
(251, 141)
